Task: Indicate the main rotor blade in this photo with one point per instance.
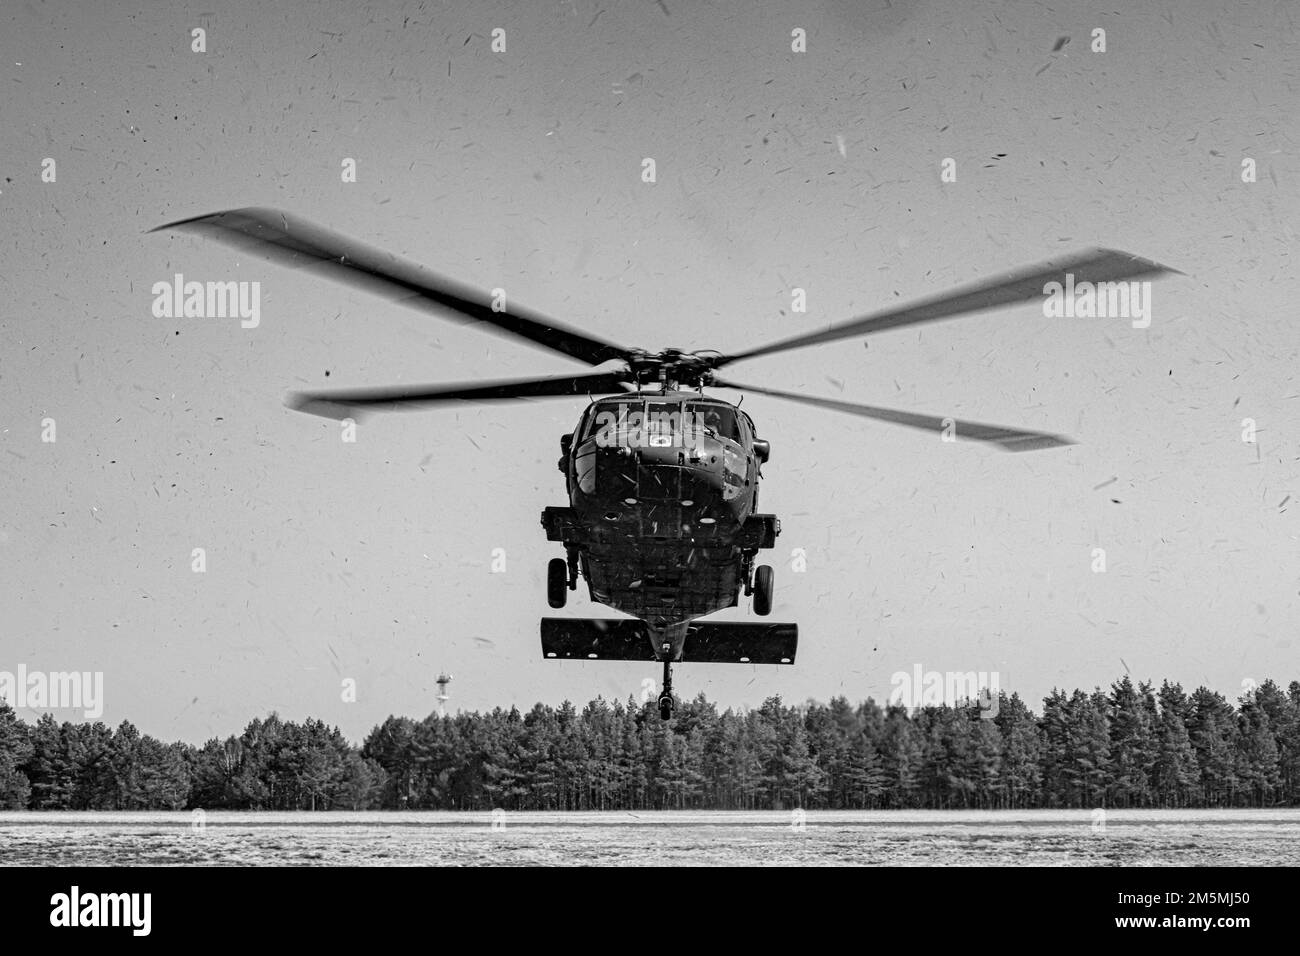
(296, 242)
(1020, 285)
(1010, 439)
(353, 403)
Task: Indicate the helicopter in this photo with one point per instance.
(662, 519)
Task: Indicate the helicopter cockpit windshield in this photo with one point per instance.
(685, 423)
(662, 424)
(718, 419)
(656, 434)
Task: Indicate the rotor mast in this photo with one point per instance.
(671, 369)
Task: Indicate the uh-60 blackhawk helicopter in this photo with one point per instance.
(662, 479)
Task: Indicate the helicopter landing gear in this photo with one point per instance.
(573, 568)
(557, 582)
(763, 590)
(666, 706)
(666, 696)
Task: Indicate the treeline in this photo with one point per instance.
(1133, 746)
(272, 765)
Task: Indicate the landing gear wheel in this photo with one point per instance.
(666, 695)
(665, 706)
(763, 590)
(557, 582)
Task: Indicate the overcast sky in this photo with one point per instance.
(821, 170)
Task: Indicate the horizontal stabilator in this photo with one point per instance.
(711, 643)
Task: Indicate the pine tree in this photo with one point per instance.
(765, 742)
(503, 780)
(866, 778)
(1212, 726)
(985, 765)
(1131, 745)
(15, 752)
(1282, 720)
(631, 760)
(1258, 763)
(389, 745)
(1021, 753)
(124, 760)
(212, 771)
(801, 778)
(541, 737)
(1176, 771)
(164, 775)
(828, 746)
(1056, 729)
(51, 775)
(1291, 746)
(903, 753)
(702, 715)
(1087, 762)
(671, 779)
(360, 787)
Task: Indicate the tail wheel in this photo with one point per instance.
(763, 590)
(665, 706)
(557, 582)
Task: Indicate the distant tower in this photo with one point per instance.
(443, 681)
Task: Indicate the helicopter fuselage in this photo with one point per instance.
(662, 521)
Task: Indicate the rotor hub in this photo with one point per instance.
(673, 367)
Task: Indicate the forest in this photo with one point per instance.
(1131, 746)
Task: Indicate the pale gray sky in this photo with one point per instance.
(522, 169)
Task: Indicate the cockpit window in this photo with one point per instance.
(655, 423)
(604, 420)
(662, 424)
(586, 426)
(718, 419)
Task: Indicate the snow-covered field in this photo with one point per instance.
(970, 838)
